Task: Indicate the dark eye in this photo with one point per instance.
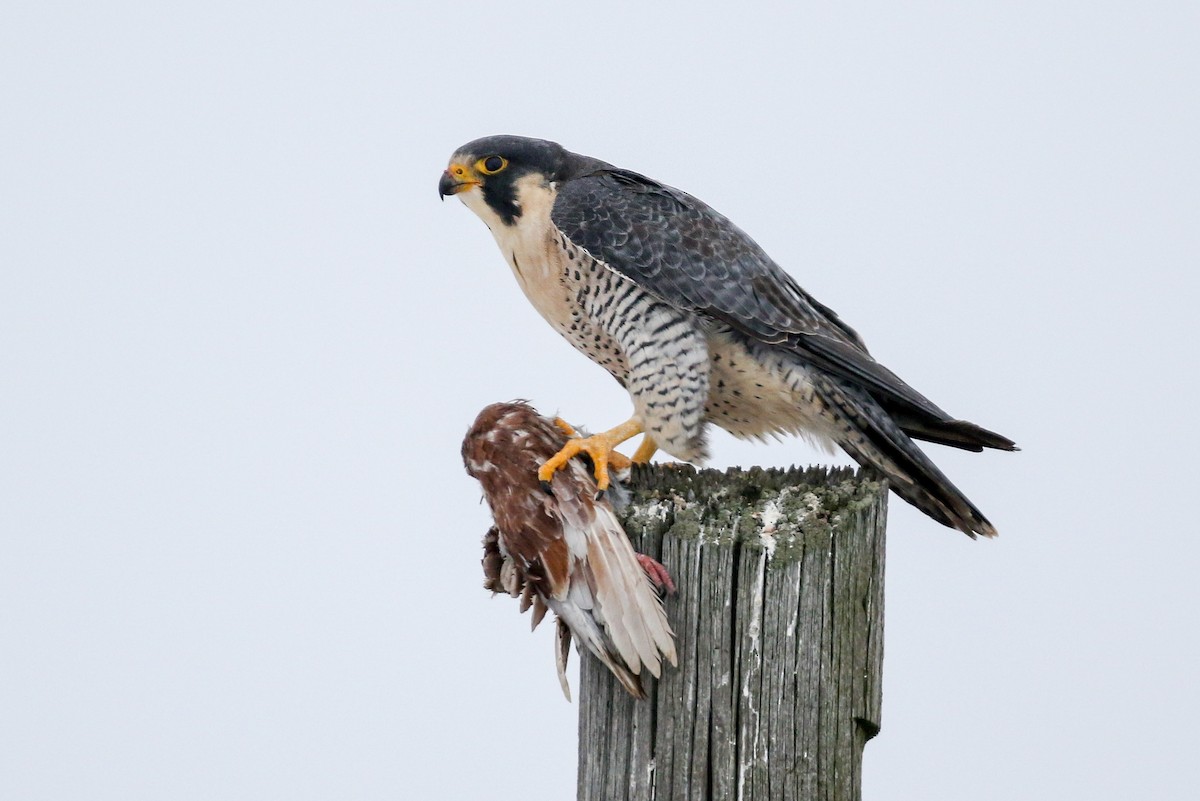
(492, 165)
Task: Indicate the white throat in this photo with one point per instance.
(527, 242)
(529, 247)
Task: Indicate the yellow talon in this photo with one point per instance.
(566, 427)
(600, 447)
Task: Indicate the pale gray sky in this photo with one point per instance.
(240, 341)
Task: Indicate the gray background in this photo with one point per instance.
(240, 341)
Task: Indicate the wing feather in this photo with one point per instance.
(691, 256)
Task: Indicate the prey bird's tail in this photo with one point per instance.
(876, 438)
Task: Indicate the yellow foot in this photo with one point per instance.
(618, 461)
(598, 446)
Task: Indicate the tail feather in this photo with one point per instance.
(872, 437)
(583, 625)
(562, 653)
(955, 433)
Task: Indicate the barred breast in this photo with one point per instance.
(678, 373)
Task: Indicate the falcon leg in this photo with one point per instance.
(599, 447)
(645, 451)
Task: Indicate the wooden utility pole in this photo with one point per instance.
(779, 626)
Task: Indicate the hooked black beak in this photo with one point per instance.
(449, 185)
(446, 186)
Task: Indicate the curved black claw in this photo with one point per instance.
(546, 488)
(600, 495)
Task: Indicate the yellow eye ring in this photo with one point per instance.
(491, 164)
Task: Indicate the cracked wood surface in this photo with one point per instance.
(779, 627)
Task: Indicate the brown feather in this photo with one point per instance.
(492, 560)
(563, 551)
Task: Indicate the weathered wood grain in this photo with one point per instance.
(779, 623)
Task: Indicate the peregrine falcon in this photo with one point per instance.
(697, 322)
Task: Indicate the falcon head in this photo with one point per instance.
(497, 176)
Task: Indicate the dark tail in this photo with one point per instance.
(955, 433)
(873, 437)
